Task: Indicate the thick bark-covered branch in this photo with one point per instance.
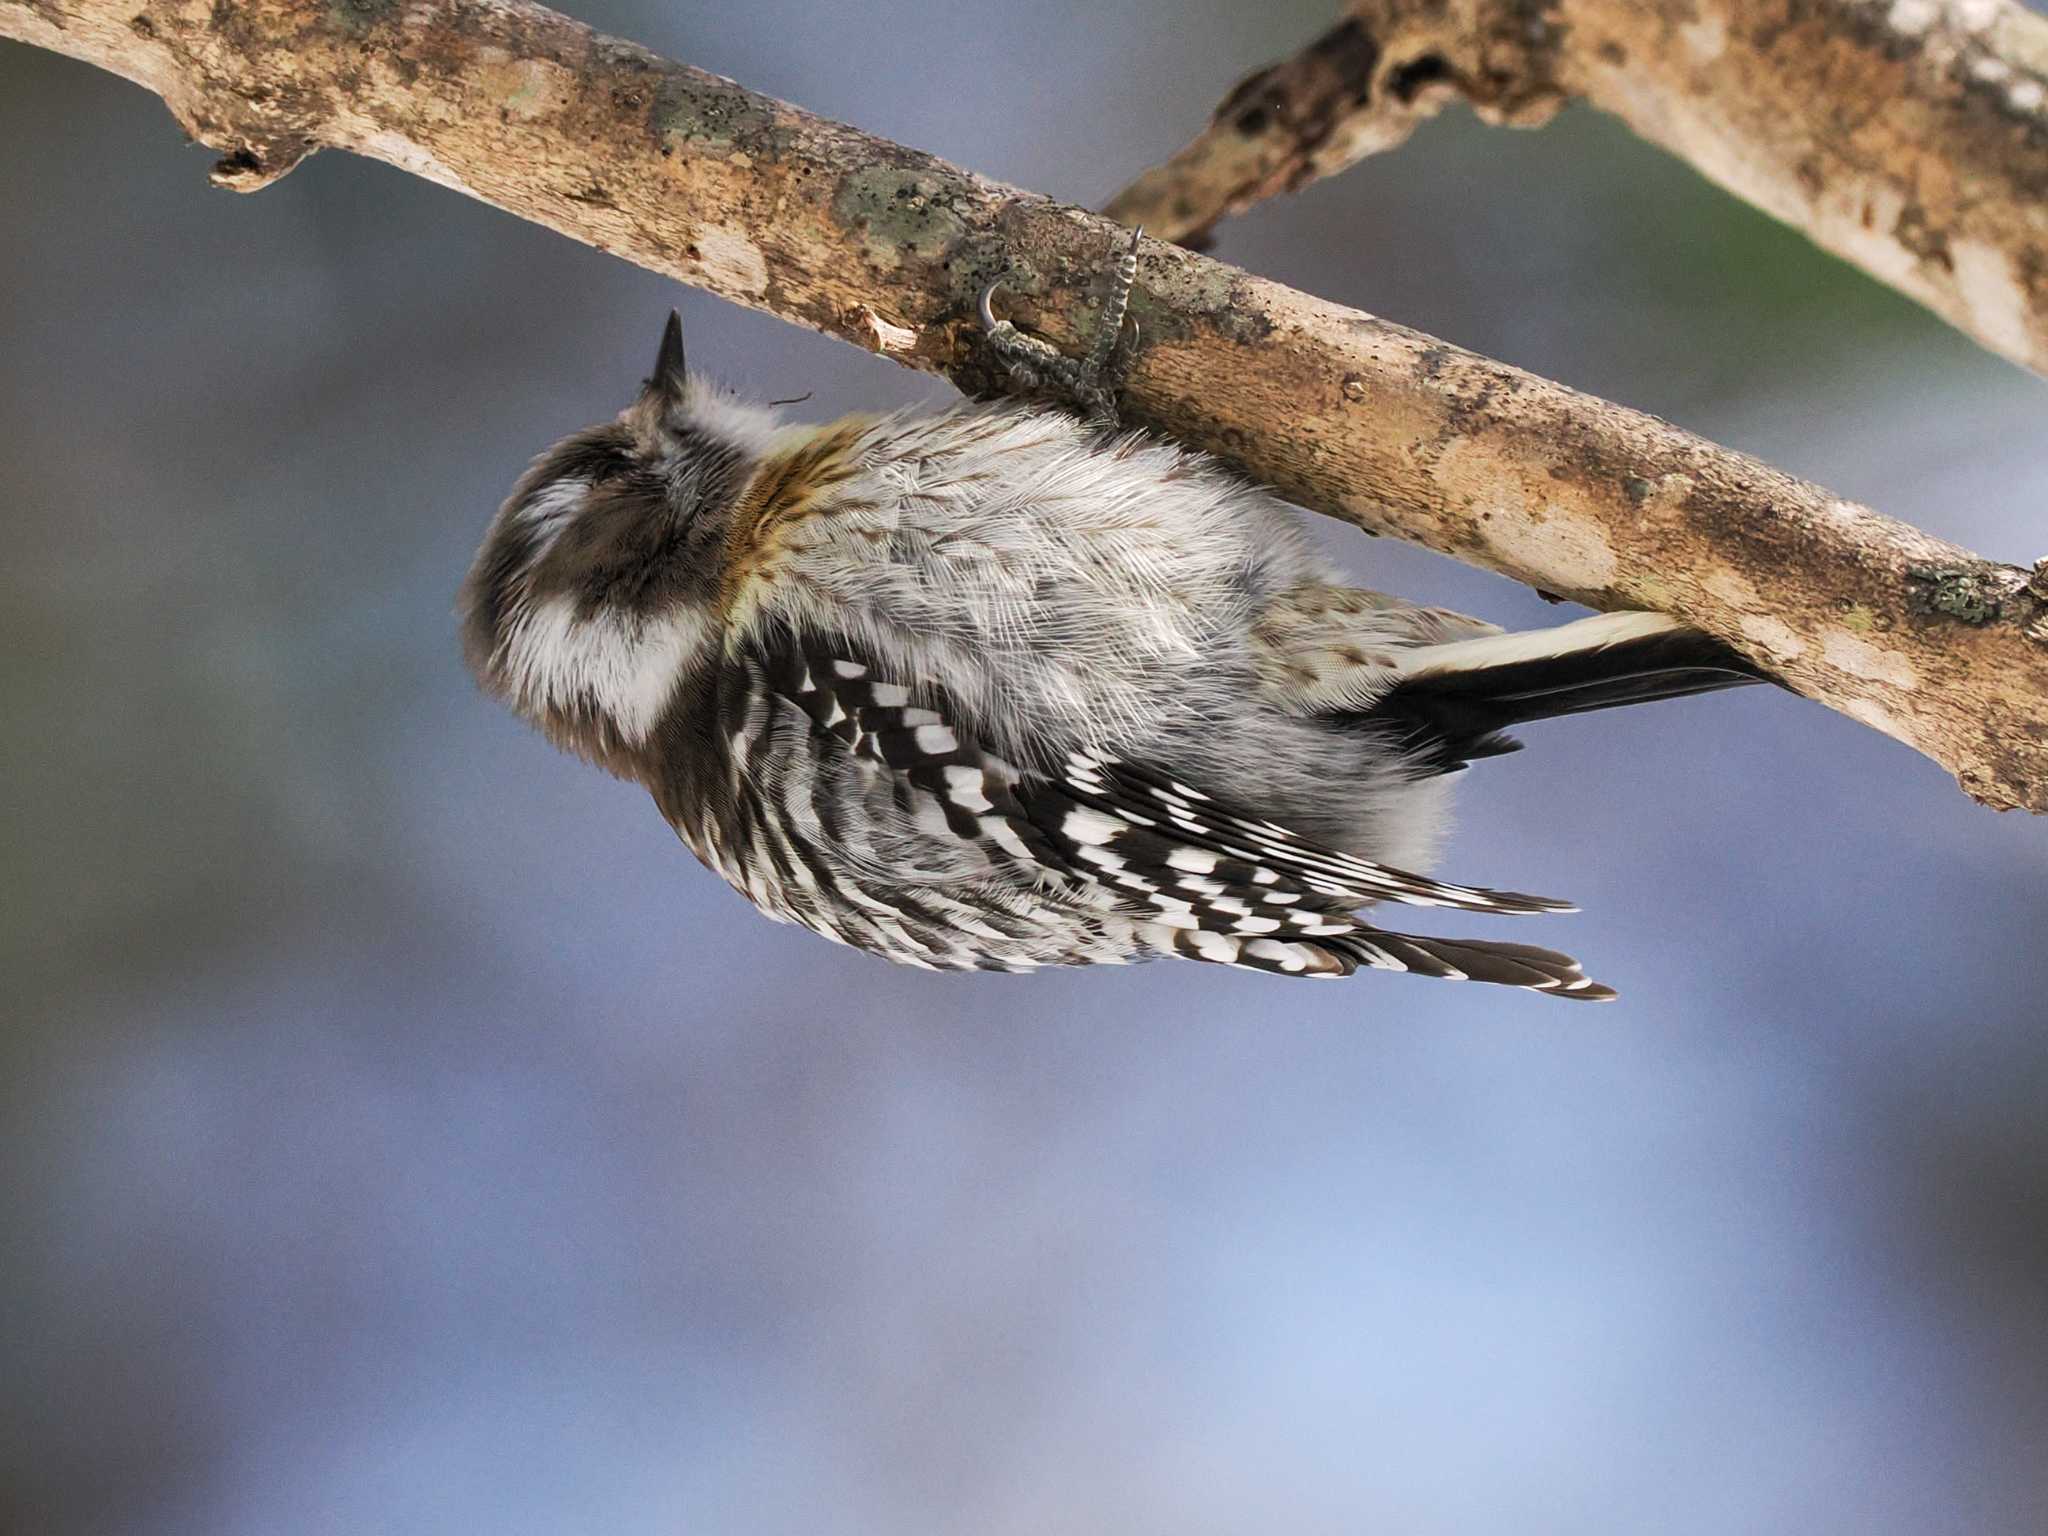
(767, 205)
(1908, 136)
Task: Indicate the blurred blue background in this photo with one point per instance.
(403, 1134)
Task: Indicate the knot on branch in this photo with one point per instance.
(261, 81)
(251, 168)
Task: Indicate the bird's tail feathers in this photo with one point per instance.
(1489, 960)
(1450, 703)
(1329, 954)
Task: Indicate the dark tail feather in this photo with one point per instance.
(1489, 960)
(1453, 701)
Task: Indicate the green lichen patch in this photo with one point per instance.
(901, 211)
(712, 115)
(1957, 592)
(1200, 294)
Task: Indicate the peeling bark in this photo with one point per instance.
(764, 204)
(1907, 136)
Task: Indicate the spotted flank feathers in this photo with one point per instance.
(1082, 861)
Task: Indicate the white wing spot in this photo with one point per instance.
(964, 789)
(1287, 956)
(1004, 836)
(1086, 826)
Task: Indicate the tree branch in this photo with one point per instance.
(690, 175)
(1907, 136)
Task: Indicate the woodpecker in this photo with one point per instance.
(1002, 686)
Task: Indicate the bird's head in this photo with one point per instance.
(595, 592)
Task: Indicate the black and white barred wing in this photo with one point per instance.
(1240, 890)
(1126, 855)
(829, 800)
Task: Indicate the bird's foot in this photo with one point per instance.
(1090, 383)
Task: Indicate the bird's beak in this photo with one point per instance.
(667, 379)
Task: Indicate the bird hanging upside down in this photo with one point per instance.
(1000, 687)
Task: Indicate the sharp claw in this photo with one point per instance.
(1092, 382)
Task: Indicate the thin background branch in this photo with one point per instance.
(1907, 136)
